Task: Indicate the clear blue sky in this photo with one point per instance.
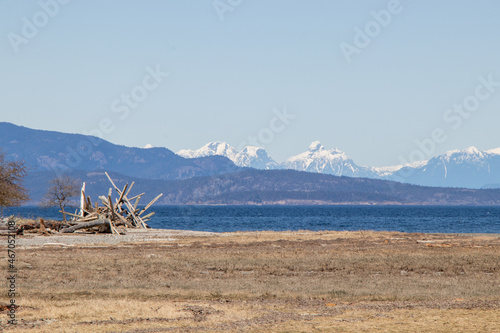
(227, 76)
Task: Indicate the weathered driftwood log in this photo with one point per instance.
(85, 225)
(56, 225)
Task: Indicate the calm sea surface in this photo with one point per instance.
(251, 218)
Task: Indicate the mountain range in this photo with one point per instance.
(61, 152)
(252, 157)
(469, 168)
(219, 174)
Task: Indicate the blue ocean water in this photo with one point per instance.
(253, 218)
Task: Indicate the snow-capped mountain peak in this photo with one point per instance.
(212, 148)
(252, 150)
(467, 167)
(468, 155)
(472, 151)
(253, 157)
(315, 146)
(219, 148)
(317, 150)
(331, 161)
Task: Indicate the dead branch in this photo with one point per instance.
(85, 225)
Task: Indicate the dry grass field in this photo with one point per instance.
(263, 282)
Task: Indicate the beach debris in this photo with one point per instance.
(56, 244)
(200, 313)
(7, 306)
(9, 226)
(439, 245)
(109, 217)
(124, 211)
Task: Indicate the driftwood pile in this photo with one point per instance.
(21, 226)
(123, 212)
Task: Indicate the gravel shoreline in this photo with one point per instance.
(132, 236)
(145, 236)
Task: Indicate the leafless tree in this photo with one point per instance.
(12, 192)
(61, 191)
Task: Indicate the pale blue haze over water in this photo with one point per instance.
(432, 219)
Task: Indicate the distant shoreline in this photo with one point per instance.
(353, 204)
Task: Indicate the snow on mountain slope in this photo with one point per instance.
(210, 149)
(252, 157)
(469, 158)
(255, 157)
(468, 155)
(495, 151)
(469, 167)
(330, 161)
(387, 170)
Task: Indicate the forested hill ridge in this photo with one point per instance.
(296, 187)
(270, 187)
(62, 152)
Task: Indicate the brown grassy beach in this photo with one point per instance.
(167, 281)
